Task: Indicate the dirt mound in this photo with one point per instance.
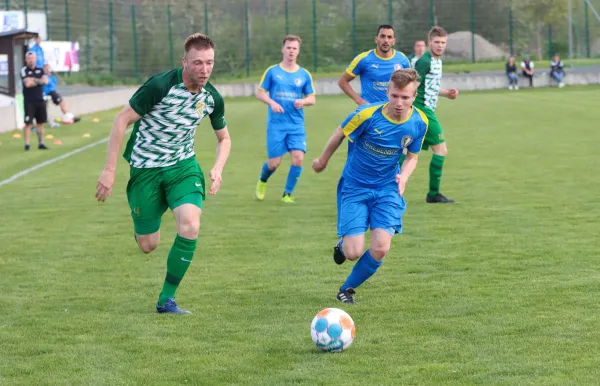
(459, 47)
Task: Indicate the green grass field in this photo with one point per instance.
(500, 288)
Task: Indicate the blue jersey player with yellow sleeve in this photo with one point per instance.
(374, 67)
(286, 88)
(369, 193)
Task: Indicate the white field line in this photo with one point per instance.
(53, 160)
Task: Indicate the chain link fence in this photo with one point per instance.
(131, 39)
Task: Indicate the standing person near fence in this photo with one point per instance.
(164, 172)
(375, 67)
(37, 49)
(429, 68)
(34, 107)
(286, 88)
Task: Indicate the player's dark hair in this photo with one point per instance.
(437, 32)
(384, 26)
(292, 38)
(198, 41)
(403, 77)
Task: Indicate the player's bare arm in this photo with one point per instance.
(264, 97)
(449, 93)
(223, 150)
(306, 101)
(334, 142)
(344, 84)
(408, 166)
(126, 117)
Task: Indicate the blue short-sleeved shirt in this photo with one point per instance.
(51, 86)
(375, 73)
(285, 88)
(377, 144)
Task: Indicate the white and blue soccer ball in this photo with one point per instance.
(332, 330)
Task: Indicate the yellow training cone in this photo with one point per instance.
(17, 135)
(49, 136)
(87, 135)
(95, 120)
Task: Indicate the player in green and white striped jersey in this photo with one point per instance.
(164, 172)
(429, 67)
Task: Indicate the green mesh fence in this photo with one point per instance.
(136, 38)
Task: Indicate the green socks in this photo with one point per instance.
(402, 157)
(180, 258)
(435, 174)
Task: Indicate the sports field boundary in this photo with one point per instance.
(53, 160)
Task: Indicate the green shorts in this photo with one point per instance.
(435, 133)
(151, 191)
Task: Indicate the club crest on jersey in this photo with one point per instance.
(406, 140)
(397, 67)
(298, 82)
(200, 108)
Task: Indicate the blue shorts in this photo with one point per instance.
(362, 208)
(280, 142)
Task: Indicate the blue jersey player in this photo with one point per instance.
(286, 88)
(369, 193)
(374, 67)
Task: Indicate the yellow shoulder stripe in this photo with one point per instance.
(262, 78)
(423, 116)
(354, 63)
(358, 119)
(426, 120)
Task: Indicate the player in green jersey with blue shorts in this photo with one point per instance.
(164, 172)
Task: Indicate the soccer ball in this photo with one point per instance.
(332, 330)
(68, 118)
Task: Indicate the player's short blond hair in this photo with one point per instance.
(403, 77)
(436, 32)
(292, 38)
(198, 41)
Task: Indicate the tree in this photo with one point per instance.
(538, 13)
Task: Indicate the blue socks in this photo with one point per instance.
(265, 173)
(292, 178)
(364, 268)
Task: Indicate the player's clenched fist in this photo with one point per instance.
(318, 166)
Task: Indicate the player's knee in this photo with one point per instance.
(274, 163)
(379, 251)
(440, 149)
(189, 228)
(297, 159)
(353, 252)
(147, 244)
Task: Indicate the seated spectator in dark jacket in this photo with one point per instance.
(527, 66)
(511, 73)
